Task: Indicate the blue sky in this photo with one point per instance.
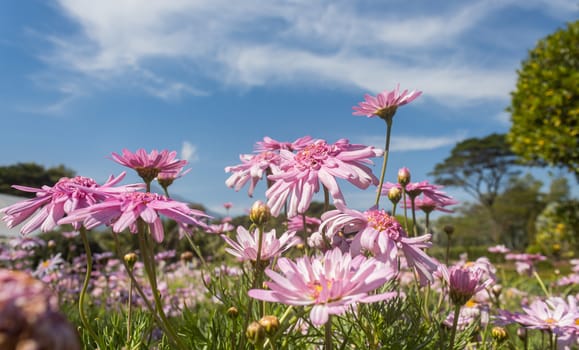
(84, 78)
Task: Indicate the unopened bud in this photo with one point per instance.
(51, 244)
(394, 194)
(232, 312)
(187, 256)
(259, 213)
(522, 333)
(130, 259)
(448, 229)
(270, 323)
(255, 334)
(497, 290)
(404, 176)
(499, 334)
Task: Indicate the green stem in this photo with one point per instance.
(541, 284)
(447, 249)
(427, 223)
(385, 160)
(129, 313)
(328, 334)
(85, 284)
(394, 206)
(454, 326)
(149, 263)
(405, 206)
(414, 224)
(256, 281)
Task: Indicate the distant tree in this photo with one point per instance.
(31, 175)
(545, 105)
(478, 166)
(516, 210)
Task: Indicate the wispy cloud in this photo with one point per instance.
(288, 42)
(189, 152)
(415, 142)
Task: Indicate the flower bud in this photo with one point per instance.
(522, 333)
(404, 176)
(255, 334)
(448, 229)
(259, 213)
(186, 256)
(51, 244)
(232, 312)
(499, 334)
(497, 290)
(394, 194)
(130, 259)
(270, 323)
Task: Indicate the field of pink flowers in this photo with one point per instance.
(349, 279)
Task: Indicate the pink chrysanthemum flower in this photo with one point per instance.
(246, 246)
(384, 105)
(252, 169)
(55, 202)
(301, 173)
(123, 210)
(269, 144)
(429, 204)
(546, 315)
(499, 249)
(329, 283)
(149, 165)
(296, 223)
(380, 234)
(464, 282)
(166, 178)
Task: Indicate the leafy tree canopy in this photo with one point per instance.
(479, 166)
(545, 105)
(31, 175)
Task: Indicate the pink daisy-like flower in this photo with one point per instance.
(547, 315)
(149, 165)
(246, 246)
(166, 178)
(55, 202)
(123, 210)
(499, 249)
(464, 282)
(380, 234)
(296, 223)
(252, 169)
(301, 173)
(269, 144)
(384, 105)
(329, 283)
(428, 204)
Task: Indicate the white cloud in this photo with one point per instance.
(414, 143)
(189, 152)
(258, 42)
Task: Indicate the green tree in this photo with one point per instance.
(31, 175)
(478, 166)
(516, 211)
(545, 105)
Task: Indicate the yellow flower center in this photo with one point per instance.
(470, 303)
(550, 321)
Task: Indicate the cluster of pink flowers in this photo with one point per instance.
(296, 170)
(81, 201)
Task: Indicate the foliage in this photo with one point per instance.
(31, 175)
(479, 166)
(545, 105)
(516, 210)
(558, 229)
